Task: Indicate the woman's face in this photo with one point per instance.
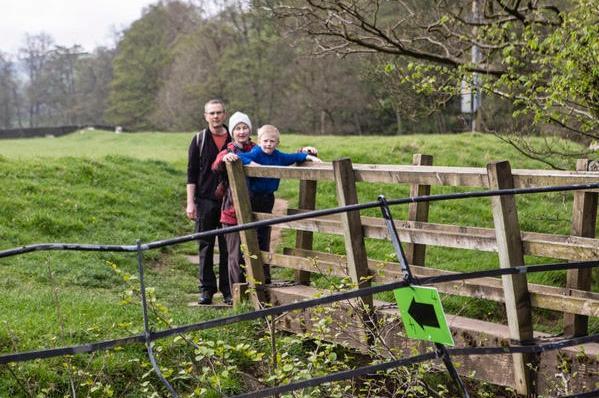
(241, 133)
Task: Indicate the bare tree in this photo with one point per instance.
(93, 77)
(9, 93)
(34, 56)
(330, 96)
(59, 82)
(416, 29)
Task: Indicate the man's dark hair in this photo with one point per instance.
(213, 102)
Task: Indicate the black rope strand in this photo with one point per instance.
(352, 294)
(369, 205)
(147, 332)
(401, 256)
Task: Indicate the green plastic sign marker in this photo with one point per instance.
(422, 314)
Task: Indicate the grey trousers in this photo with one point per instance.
(236, 272)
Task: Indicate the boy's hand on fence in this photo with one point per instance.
(313, 159)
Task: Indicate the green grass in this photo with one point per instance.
(104, 188)
(57, 298)
(168, 147)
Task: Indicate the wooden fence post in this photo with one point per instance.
(304, 239)
(415, 253)
(515, 287)
(357, 260)
(249, 239)
(584, 220)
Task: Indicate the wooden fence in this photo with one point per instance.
(575, 299)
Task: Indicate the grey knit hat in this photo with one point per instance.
(236, 118)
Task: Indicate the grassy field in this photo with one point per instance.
(105, 188)
(168, 147)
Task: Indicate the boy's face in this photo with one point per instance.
(268, 142)
(241, 133)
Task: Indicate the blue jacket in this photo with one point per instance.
(277, 158)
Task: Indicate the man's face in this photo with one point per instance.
(241, 133)
(269, 142)
(214, 115)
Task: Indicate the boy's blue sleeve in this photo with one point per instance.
(246, 157)
(290, 158)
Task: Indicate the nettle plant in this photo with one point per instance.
(200, 365)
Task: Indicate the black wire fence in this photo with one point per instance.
(440, 352)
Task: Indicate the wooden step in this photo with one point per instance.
(217, 301)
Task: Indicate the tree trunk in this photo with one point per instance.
(398, 122)
(357, 123)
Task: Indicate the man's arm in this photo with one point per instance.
(193, 169)
(191, 206)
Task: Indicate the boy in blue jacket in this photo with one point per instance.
(262, 189)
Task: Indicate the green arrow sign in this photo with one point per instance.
(422, 314)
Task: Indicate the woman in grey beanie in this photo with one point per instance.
(240, 128)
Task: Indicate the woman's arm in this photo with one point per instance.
(218, 164)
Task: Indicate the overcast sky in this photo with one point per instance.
(86, 22)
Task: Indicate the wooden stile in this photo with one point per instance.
(505, 239)
(515, 288)
(357, 260)
(249, 238)
(303, 239)
(415, 253)
(584, 220)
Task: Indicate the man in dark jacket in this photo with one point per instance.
(202, 204)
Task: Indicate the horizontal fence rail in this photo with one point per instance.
(460, 237)
(541, 296)
(425, 175)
